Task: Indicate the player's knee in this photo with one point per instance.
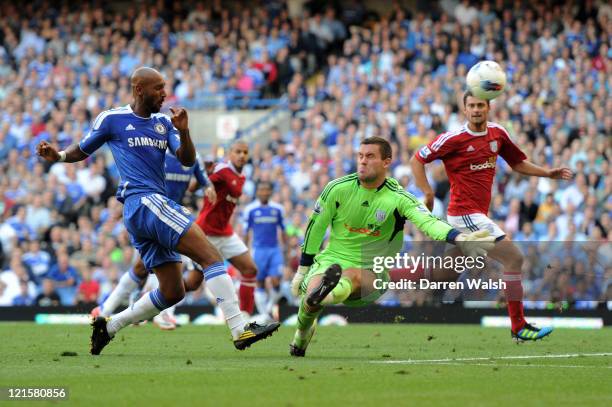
(204, 260)
(199, 249)
(515, 263)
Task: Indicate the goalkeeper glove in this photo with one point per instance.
(297, 279)
(475, 244)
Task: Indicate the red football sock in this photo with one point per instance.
(514, 298)
(246, 294)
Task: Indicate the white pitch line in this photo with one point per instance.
(519, 365)
(492, 358)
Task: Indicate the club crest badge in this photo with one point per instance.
(493, 145)
(380, 215)
(160, 128)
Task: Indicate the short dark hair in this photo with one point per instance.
(238, 141)
(383, 145)
(467, 94)
(265, 183)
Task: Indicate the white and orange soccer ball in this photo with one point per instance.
(486, 80)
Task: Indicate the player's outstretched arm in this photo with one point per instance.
(528, 168)
(186, 153)
(419, 216)
(71, 155)
(421, 181)
(473, 244)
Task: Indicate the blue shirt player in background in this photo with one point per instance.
(264, 222)
(178, 181)
(178, 177)
(138, 137)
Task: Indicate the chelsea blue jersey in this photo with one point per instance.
(178, 176)
(138, 145)
(264, 221)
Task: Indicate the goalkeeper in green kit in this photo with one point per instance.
(366, 212)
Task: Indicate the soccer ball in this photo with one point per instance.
(486, 80)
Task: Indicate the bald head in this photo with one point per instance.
(148, 90)
(144, 75)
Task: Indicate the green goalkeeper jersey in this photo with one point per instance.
(366, 222)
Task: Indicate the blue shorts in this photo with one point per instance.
(156, 224)
(269, 262)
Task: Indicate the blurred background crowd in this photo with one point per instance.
(345, 72)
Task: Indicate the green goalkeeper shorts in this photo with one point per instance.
(319, 267)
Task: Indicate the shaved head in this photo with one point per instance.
(144, 75)
(148, 90)
(238, 142)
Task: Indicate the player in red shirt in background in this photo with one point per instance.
(469, 156)
(220, 201)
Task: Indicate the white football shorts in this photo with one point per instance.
(228, 246)
(476, 221)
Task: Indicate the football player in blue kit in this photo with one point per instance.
(264, 221)
(138, 137)
(178, 181)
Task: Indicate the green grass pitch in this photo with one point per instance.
(353, 365)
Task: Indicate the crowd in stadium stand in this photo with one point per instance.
(347, 74)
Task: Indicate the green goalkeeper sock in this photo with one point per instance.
(306, 319)
(305, 326)
(340, 293)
